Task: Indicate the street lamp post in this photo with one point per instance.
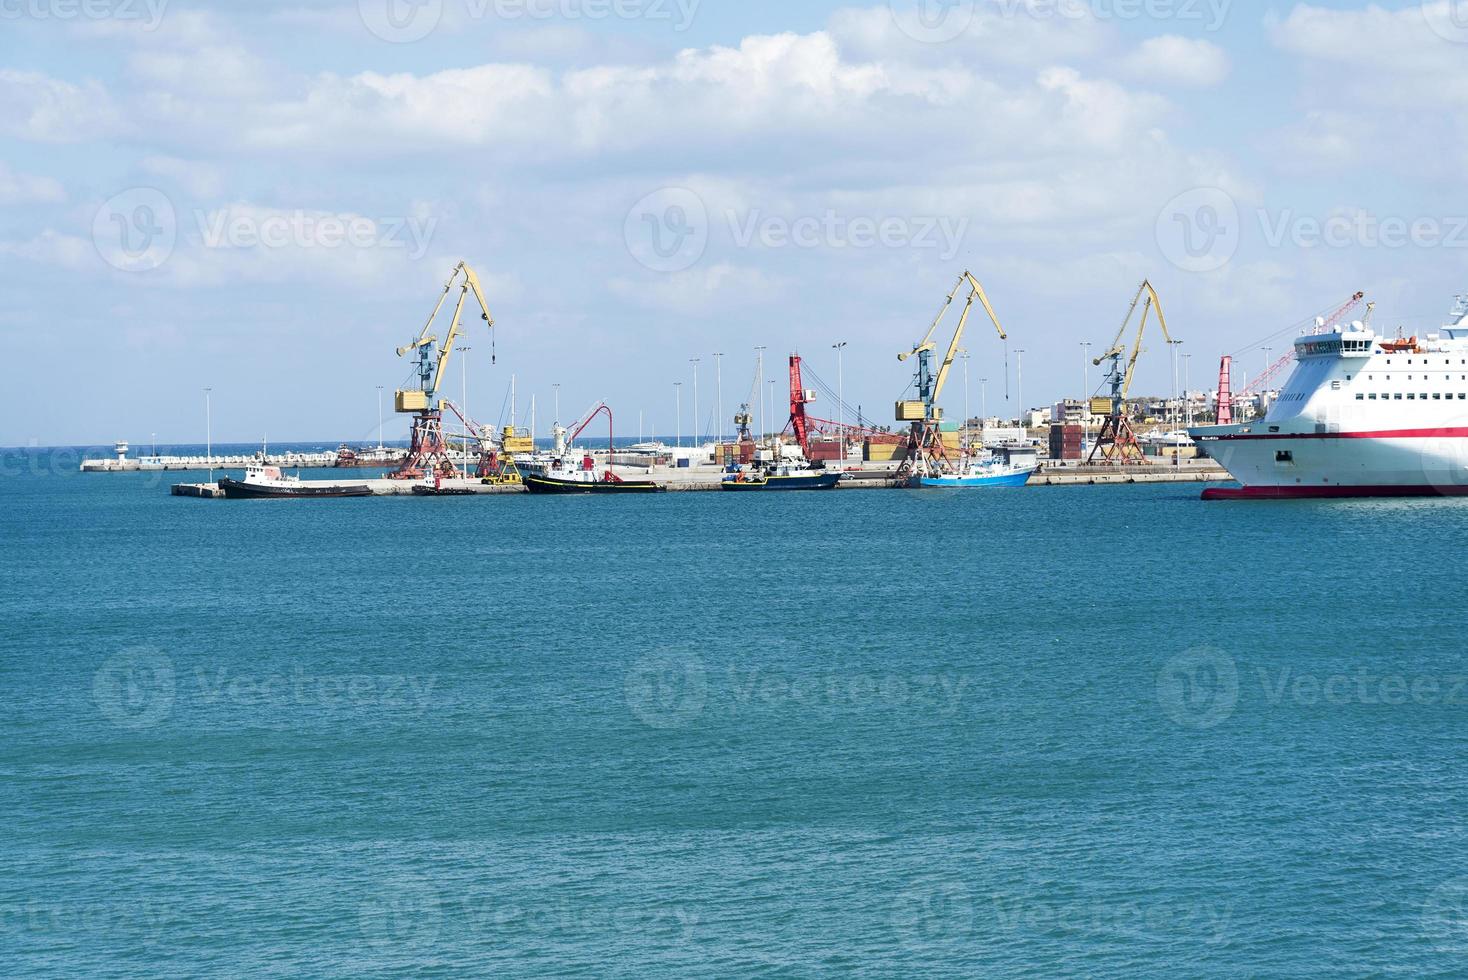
(965, 438)
(1187, 390)
(840, 349)
(983, 406)
(678, 412)
(556, 396)
(1019, 360)
(379, 416)
(697, 423)
(209, 431)
(719, 396)
(759, 376)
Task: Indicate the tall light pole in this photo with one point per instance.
(697, 423)
(678, 411)
(209, 431)
(1019, 360)
(840, 349)
(1177, 459)
(1187, 396)
(556, 390)
(719, 387)
(759, 388)
(379, 416)
(983, 406)
(772, 409)
(1085, 385)
(964, 354)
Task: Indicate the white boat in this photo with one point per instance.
(1361, 416)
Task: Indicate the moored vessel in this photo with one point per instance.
(263, 482)
(797, 475)
(979, 471)
(1360, 416)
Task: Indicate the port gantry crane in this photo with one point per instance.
(1117, 442)
(428, 450)
(926, 454)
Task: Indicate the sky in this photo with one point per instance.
(266, 199)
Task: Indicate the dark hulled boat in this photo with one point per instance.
(267, 482)
(560, 485)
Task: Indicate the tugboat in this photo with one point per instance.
(559, 478)
(798, 475)
(263, 481)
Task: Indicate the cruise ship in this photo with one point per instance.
(1361, 416)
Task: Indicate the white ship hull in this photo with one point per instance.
(1359, 417)
(1427, 462)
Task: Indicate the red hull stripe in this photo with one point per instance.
(1303, 492)
(1457, 432)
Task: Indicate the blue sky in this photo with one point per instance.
(266, 198)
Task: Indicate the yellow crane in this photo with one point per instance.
(926, 452)
(428, 451)
(1117, 443)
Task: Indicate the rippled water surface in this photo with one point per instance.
(1088, 731)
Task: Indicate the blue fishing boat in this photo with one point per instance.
(980, 472)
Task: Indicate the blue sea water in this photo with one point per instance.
(1098, 731)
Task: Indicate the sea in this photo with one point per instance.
(1084, 731)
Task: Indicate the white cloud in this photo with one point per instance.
(1382, 89)
(195, 176)
(1171, 59)
(18, 188)
(40, 109)
(701, 289)
(51, 247)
